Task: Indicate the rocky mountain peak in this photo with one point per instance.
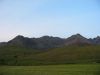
(77, 36)
(77, 39)
(19, 37)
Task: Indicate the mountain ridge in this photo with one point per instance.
(47, 42)
(49, 50)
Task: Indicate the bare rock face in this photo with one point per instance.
(97, 40)
(23, 42)
(49, 42)
(44, 42)
(77, 40)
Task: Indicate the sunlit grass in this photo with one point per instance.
(74, 69)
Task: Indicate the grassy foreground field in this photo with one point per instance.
(74, 69)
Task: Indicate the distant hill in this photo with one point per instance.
(47, 42)
(78, 40)
(50, 50)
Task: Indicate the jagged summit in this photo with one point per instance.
(22, 41)
(97, 40)
(98, 37)
(77, 40)
(18, 37)
(77, 36)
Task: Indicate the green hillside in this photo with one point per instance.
(15, 55)
(72, 54)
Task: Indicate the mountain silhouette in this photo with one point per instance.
(77, 40)
(50, 50)
(47, 42)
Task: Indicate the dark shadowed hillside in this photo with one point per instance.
(77, 40)
(44, 42)
(47, 42)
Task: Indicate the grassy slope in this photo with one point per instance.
(85, 69)
(73, 54)
(13, 55)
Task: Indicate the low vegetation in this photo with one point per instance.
(64, 55)
(79, 69)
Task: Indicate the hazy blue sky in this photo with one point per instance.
(35, 18)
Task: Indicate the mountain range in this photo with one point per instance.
(48, 50)
(47, 42)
